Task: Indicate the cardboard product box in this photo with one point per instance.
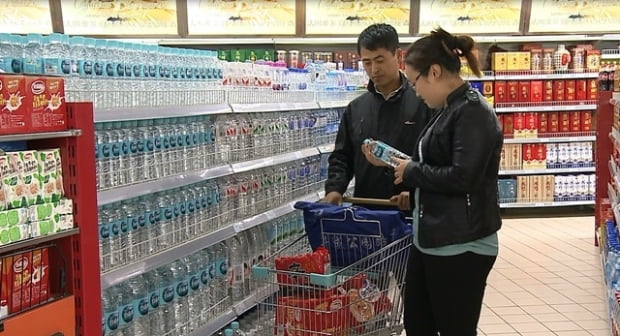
(508, 124)
(487, 88)
(27, 166)
(548, 188)
(513, 61)
(564, 155)
(516, 157)
(581, 92)
(531, 125)
(552, 155)
(559, 193)
(501, 92)
(520, 130)
(570, 92)
(499, 62)
(25, 279)
(14, 113)
(223, 55)
(49, 111)
(548, 90)
(513, 91)
(503, 161)
(565, 122)
(536, 89)
(525, 91)
(575, 154)
(528, 155)
(575, 121)
(559, 90)
(593, 59)
(592, 89)
(525, 60)
(543, 123)
(591, 186)
(571, 187)
(588, 154)
(582, 187)
(535, 182)
(540, 156)
(523, 191)
(554, 122)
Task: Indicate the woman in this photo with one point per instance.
(453, 177)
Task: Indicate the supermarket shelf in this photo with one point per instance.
(334, 104)
(485, 78)
(264, 217)
(545, 204)
(547, 171)
(212, 327)
(274, 160)
(141, 113)
(40, 136)
(119, 275)
(38, 240)
(611, 54)
(551, 139)
(170, 182)
(272, 107)
(550, 107)
(250, 302)
(535, 75)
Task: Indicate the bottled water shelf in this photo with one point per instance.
(551, 139)
(545, 204)
(265, 217)
(548, 171)
(548, 108)
(216, 324)
(40, 136)
(170, 182)
(126, 272)
(38, 240)
(141, 113)
(273, 107)
(274, 160)
(251, 301)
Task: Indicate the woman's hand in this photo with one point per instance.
(367, 151)
(401, 165)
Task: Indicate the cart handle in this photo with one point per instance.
(368, 201)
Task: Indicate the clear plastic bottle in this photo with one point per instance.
(109, 303)
(223, 261)
(105, 236)
(32, 54)
(178, 270)
(167, 294)
(132, 232)
(239, 257)
(10, 54)
(195, 303)
(141, 305)
(165, 221)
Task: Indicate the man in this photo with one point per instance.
(390, 111)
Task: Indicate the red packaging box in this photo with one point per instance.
(25, 279)
(575, 121)
(592, 89)
(531, 125)
(540, 155)
(509, 126)
(586, 121)
(554, 122)
(581, 92)
(543, 123)
(548, 90)
(528, 155)
(500, 92)
(570, 92)
(565, 122)
(49, 111)
(525, 91)
(536, 89)
(559, 89)
(14, 116)
(513, 91)
(519, 125)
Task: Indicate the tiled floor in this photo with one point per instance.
(547, 280)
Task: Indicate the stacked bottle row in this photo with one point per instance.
(138, 151)
(133, 229)
(179, 298)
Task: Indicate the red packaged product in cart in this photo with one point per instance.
(315, 262)
(25, 280)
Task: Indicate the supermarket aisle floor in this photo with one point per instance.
(547, 280)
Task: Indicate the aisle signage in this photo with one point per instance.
(569, 16)
(23, 17)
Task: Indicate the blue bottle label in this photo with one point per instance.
(141, 306)
(98, 68)
(110, 70)
(194, 282)
(137, 70)
(126, 314)
(128, 71)
(111, 321)
(115, 228)
(182, 288)
(32, 65)
(104, 231)
(150, 145)
(154, 299)
(167, 294)
(51, 66)
(140, 144)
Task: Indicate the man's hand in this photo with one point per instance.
(367, 151)
(402, 200)
(400, 169)
(333, 197)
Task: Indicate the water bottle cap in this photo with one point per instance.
(234, 325)
(34, 37)
(101, 43)
(228, 332)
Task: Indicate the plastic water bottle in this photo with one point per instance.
(105, 236)
(178, 271)
(164, 239)
(10, 55)
(194, 299)
(223, 259)
(166, 312)
(33, 51)
(131, 233)
(141, 305)
(236, 329)
(153, 294)
(109, 303)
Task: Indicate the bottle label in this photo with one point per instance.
(180, 140)
(98, 68)
(154, 299)
(11, 65)
(132, 223)
(128, 71)
(182, 288)
(145, 71)
(166, 142)
(175, 72)
(189, 140)
(115, 228)
(110, 70)
(140, 143)
(194, 282)
(124, 224)
(149, 144)
(196, 139)
(153, 71)
(125, 147)
(167, 294)
(166, 213)
(173, 141)
(126, 314)
(33, 65)
(162, 72)
(183, 208)
(120, 70)
(111, 321)
(116, 149)
(152, 217)
(104, 231)
(208, 274)
(133, 147)
(176, 210)
(51, 66)
(191, 206)
(86, 68)
(222, 268)
(141, 220)
(157, 143)
(141, 307)
(137, 70)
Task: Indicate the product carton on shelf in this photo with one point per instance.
(586, 121)
(14, 117)
(25, 280)
(552, 155)
(523, 191)
(548, 188)
(540, 156)
(528, 154)
(26, 165)
(13, 184)
(531, 124)
(535, 184)
(520, 128)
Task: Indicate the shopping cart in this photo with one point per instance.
(349, 284)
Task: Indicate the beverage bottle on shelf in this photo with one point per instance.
(177, 224)
(113, 223)
(184, 145)
(242, 194)
(10, 54)
(291, 178)
(228, 332)
(151, 280)
(86, 70)
(126, 309)
(104, 76)
(146, 149)
(232, 200)
(238, 259)
(223, 261)
(109, 306)
(195, 301)
(165, 224)
(166, 312)
(201, 213)
(53, 54)
(125, 235)
(76, 86)
(186, 227)
(141, 306)
(178, 270)
(133, 232)
(236, 329)
(114, 167)
(105, 236)
(32, 62)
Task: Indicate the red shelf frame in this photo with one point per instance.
(603, 151)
